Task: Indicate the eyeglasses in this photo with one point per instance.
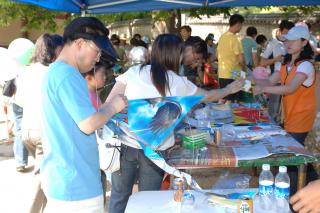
(98, 51)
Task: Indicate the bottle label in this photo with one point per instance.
(265, 190)
(282, 192)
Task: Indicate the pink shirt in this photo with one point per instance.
(95, 100)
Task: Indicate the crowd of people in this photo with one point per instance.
(76, 82)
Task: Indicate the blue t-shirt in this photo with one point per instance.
(249, 46)
(70, 169)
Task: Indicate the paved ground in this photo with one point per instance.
(14, 186)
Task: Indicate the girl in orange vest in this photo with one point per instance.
(297, 77)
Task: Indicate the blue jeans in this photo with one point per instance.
(133, 165)
(20, 151)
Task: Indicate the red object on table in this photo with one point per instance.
(208, 79)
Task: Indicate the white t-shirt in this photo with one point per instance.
(31, 89)
(139, 86)
(307, 69)
(276, 48)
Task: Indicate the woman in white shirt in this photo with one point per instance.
(149, 81)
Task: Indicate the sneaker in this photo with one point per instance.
(21, 169)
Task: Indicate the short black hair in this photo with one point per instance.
(114, 36)
(261, 38)
(198, 45)
(235, 19)
(137, 43)
(286, 24)
(137, 35)
(251, 31)
(115, 41)
(186, 27)
(96, 67)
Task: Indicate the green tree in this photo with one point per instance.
(32, 17)
(172, 18)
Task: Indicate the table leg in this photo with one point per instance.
(302, 173)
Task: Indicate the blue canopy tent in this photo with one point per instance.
(117, 6)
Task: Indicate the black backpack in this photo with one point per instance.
(9, 88)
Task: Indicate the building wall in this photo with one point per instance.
(217, 25)
(11, 32)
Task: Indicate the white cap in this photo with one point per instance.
(296, 33)
(282, 169)
(265, 166)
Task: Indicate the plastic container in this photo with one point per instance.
(266, 182)
(282, 189)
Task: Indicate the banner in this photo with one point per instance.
(150, 122)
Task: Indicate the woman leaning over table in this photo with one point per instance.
(158, 79)
(297, 77)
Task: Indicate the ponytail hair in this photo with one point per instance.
(306, 53)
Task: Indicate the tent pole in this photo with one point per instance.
(83, 13)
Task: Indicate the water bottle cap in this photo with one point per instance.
(282, 169)
(265, 166)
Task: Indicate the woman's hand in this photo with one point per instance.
(235, 86)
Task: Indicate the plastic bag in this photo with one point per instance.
(109, 150)
(232, 181)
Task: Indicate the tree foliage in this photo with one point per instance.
(110, 18)
(32, 17)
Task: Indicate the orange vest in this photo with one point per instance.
(299, 107)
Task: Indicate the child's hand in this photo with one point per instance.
(119, 102)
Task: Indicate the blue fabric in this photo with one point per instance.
(116, 6)
(248, 44)
(70, 169)
(20, 151)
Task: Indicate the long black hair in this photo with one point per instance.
(165, 55)
(306, 54)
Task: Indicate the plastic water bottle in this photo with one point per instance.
(282, 189)
(266, 182)
(188, 201)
